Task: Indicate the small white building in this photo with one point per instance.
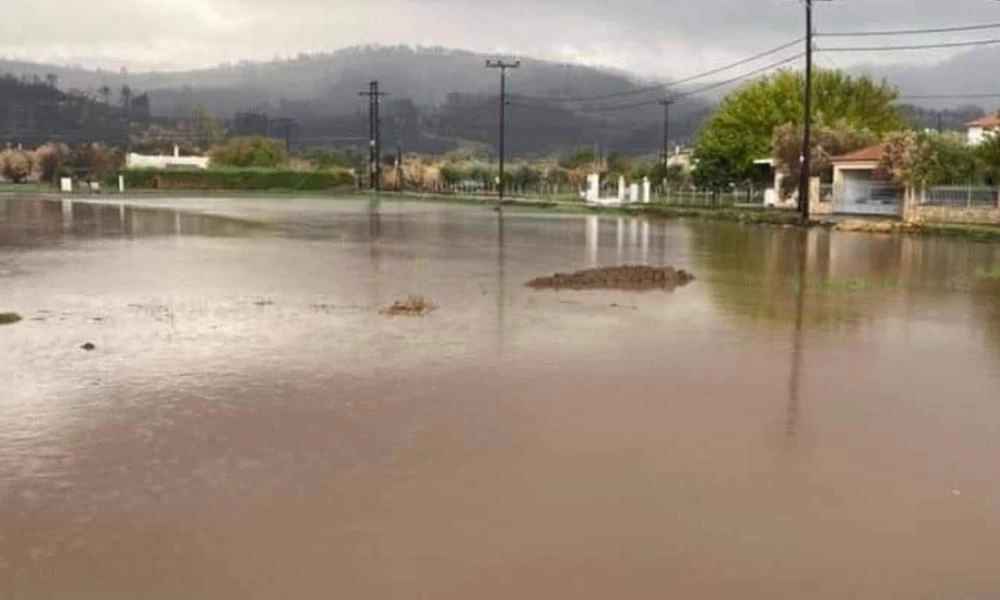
(981, 128)
(144, 161)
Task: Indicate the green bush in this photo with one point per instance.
(249, 152)
(237, 179)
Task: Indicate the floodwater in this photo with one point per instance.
(816, 416)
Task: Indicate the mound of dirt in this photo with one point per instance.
(414, 306)
(9, 318)
(639, 277)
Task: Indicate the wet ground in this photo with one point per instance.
(813, 417)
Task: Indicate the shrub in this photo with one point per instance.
(16, 165)
(249, 152)
(238, 179)
(94, 161)
(51, 160)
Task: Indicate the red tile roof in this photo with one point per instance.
(992, 120)
(869, 154)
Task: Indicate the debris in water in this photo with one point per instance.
(414, 306)
(638, 277)
(88, 347)
(9, 318)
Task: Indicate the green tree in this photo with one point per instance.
(742, 130)
(206, 127)
(928, 158)
(988, 159)
(619, 164)
(250, 152)
(580, 157)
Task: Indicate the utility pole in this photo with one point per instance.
(374, 135)
(806, 156)
(665, 158)
(503, 67)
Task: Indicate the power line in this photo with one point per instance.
(673, 84)
(693, 92)
(913, 47)
(910, 31)
(726, 82)
(947, 96)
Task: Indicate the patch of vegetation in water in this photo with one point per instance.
(414, 306)
(9, 318)
(849, 285)
(992, 273)
(637, 277)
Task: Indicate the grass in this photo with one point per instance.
(992, 274)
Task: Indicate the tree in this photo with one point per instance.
(94, 161)
(581, 157)
(827, 142)
(206, 127)
(52, 80)
(988, 159)
(619, 164)
(51, 160)
(16, 165)
(742, 130)
(105, 92)
(250, 152)
(142, 109)
(928, 158)
(126, 97)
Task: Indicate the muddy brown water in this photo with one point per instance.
(813, 417)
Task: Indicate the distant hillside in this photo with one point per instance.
(438, 99)
(442, 99)
(33, 111)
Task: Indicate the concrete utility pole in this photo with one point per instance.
(806, 156)
(665, 159)
(503, 67)
(374, 135)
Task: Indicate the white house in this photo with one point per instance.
(143, 161)
(980, 128)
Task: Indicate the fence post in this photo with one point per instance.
(968, 199)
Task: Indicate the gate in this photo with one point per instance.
(870, 198)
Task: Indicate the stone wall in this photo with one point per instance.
(914, 211)
(954, 214)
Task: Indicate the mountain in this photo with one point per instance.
(33, 111)
(441, 100)
(438, 99)
(968, 73)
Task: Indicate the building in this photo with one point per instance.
(857, 187)
(980, 128)
(176, 161)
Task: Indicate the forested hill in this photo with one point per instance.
(438, 99)
(34, 111)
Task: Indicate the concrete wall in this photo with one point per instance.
(140, 161)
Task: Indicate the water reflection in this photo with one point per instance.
(795, 374)
(39, 222)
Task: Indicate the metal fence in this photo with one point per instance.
(706, 199)
(967, 196)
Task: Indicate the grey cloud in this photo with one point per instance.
(656, 37)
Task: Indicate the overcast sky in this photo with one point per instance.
(649, 37)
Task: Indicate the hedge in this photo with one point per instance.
(237, 179)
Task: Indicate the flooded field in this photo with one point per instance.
(813, 416)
